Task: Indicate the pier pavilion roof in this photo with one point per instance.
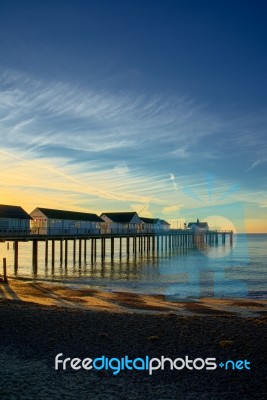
(153, 221)
(121, 217)
(69, 215)
(17, 212)
(164, 222)
(199, 225)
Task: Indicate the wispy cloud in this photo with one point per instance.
(64, 144)
(257, 163)
(69, 116)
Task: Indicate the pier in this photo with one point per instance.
(88, 245)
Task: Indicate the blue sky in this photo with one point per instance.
(118, 105)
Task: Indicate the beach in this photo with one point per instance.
(40, 320)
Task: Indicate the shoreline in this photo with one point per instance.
(101, 299)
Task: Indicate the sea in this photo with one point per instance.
(219, 271)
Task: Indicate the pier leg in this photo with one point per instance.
(66, 252)
(80, 251)
(112, 247)
(35, 255)
(61, 251)
(74, 250)
(128, 246)
(16, 255)
(46, 252)
(5, 270)
(85, 249)
(120, 246)
(153, 244)
(231, 239)
(92, 248)
(53, 253)
(102, 248)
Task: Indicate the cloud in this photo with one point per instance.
(121, 168)
(38, 113)
(67, 143)
(256, 164)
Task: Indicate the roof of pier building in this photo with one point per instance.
(154, 221)
(198, 225)
(122, 217)
(68, 215)
(16, 212)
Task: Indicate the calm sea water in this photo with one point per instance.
(217, 271)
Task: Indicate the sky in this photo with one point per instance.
(154, 106)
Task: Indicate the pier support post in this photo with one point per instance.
(85, 249)
(4, 270)
(231, 238)
(46, 252)
(35, 254)
(66, 252)
(134, 244)
(120, 246)
(92, 248)
(112, 247)
(128, 246)
(16, 255)
(53, 253)
(61, 251)
(153, 244)
(74, 250)
(80, 251)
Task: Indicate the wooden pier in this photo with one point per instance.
(132, 243)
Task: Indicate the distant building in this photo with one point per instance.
(13, 219)
(198, 226)
(49, 221)
(121, 222)
(154, 225)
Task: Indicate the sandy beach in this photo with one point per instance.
(40, 320)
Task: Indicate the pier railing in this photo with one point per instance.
(98, 232)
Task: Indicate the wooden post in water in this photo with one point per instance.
(4, 270)
(85, 249)
(61, 251)
(112, 247)
(120, 246)
(80, 251)
(46, 252)
(231, 238)
(92, 248)
(153, 243)
(128, 246)
(35, 254)
(66, 252)
(53, 253)
(95, 247)
(74, 250)
(16, 255)
(102, 248)
(134, 244)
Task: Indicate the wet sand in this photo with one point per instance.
(39, 320)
